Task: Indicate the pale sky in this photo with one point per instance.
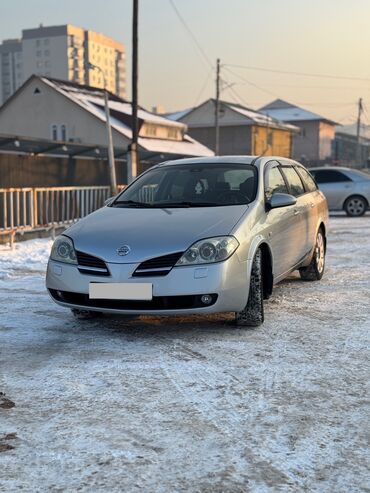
(311, 36)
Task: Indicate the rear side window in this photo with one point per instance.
(274, 183)
(307, 179)
(329, 176)
(295, 183)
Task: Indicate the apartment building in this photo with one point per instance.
(62, 52)
(11, 67)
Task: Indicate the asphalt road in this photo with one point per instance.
(189, 404)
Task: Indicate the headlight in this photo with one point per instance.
(63, 250)
(210, 250)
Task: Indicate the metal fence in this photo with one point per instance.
(32, 208)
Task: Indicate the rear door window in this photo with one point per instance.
(294, 181)
(330, 176)
(308, 181)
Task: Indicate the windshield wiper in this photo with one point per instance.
(133, 203)
(164, 205)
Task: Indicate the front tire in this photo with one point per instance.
(253, 313)
(355, 206)
(315, 270)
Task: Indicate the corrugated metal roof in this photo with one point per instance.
(282, 110)
(250, 116)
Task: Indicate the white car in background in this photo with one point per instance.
(344, 188)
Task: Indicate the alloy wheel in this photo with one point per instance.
(356, 206)
(320, 252)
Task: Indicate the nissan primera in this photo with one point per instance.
(194, 236)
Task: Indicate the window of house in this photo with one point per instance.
(54, 132)
(46, 52)
(294, 181)
(274, 183)
(172, 133)
(63, 132)
(38, 53)
(38, 42)
(151, 130)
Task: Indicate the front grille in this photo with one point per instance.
(88, 264)
(157, 266)
(157, 303)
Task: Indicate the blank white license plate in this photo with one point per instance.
(120, 291)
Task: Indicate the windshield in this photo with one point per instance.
(192, 185)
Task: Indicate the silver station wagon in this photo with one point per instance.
(194, 236)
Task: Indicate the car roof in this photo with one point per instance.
(256, 160)
(332, 168)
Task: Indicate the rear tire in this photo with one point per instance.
(355, 206)
(85, 314)
(253, 314)
(315, 270)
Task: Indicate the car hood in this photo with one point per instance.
(150, 232)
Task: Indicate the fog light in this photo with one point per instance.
(206, 299)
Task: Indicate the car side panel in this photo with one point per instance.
(336, 193)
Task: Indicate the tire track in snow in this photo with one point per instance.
(253, 461)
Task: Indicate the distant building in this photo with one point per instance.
(11, 67)
(345, 148)
(62, 52)
(242, 130)
(313, 143)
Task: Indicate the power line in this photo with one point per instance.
(191, 34)
(203, 87)
(251, 83)
(328, 105)
(301, 74)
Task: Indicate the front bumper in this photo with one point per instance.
(176, 293)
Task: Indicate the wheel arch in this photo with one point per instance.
(355, 195)
(267, 270)
(323, 228)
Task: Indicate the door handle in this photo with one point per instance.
(312, 205)
(296, 212)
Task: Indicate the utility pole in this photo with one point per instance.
(132, 155)
(112, 166)
(217, 109)
(358, 142)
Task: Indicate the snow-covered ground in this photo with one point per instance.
(190, 404)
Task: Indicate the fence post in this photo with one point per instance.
(34, 205)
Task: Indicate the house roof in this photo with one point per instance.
(282, 110)
(177, 115)
(250, 116)
(91, 99)
(351, 130)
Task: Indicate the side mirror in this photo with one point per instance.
(109, 200)
(280, 200)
